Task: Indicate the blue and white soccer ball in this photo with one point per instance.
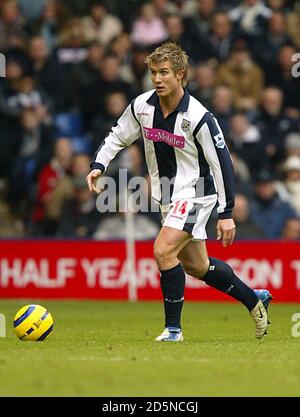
(33, 322)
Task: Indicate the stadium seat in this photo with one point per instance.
(81, 144)
(69, 124)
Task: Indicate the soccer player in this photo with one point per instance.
(183, 143)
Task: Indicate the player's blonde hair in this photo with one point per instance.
(170, 51)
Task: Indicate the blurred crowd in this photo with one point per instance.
(72, 67)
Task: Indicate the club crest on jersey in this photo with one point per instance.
(185, 125)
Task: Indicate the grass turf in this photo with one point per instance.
(107, 349)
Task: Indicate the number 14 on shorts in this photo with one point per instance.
(181, 208)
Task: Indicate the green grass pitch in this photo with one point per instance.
(107, 349)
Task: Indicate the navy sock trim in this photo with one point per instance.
(168, 272)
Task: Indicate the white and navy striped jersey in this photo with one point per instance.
(187, 146)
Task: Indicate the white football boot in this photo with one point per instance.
(170, 334)
(260, 318)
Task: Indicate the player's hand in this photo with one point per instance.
(92, 180)
(226, 231)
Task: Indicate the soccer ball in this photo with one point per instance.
(33, 322)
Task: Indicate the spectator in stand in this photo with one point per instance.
(178, 33)
(72, 49)
(121, 46)
(80, 165)
(200, 20)
(11, 22)
(250, 18)
(9, 140)
(246, 142)
(246, 227)
(228, 5)
(164, 7)
(77, 7)
(133, 160)
(86, 73)
(16, 50)
(53, 188)
(274, 124)
(293, 25)
(114, 105)
(289, 188)
(136, 72)
(185, 7)
(282, 77)
(10, 224)
(265, 49)
(291, 229)
(32, 152)
(222, 104)
(49, 23)
(148, 29)
(221, 37)
(47, 72)
(242, 76)
(79, 216)
(202, 84)
(26, 96)
(243, 183)
(268, 210)
(9, 118)
(292, 144)
(92, 103)
(279, 5)
(100, 25)
(8, 87)
(31, 9)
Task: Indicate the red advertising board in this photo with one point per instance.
(100, 270)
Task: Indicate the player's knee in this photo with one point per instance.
(196, 271)
(162, 253)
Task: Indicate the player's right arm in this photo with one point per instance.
(92, 180)
(126, 131)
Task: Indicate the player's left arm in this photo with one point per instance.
(211, 138)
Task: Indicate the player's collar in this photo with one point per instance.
(182, 105)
